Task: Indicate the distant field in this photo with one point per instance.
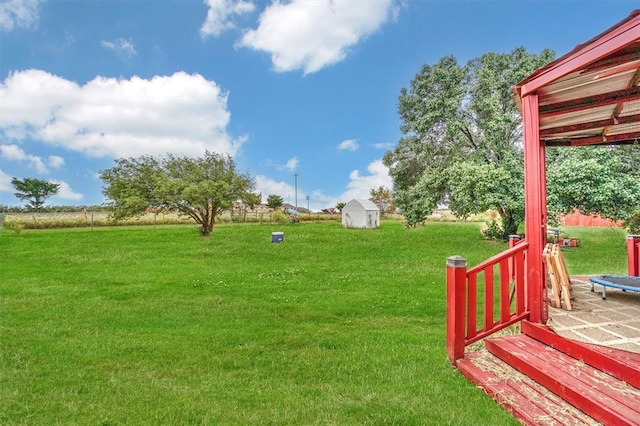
(156, 325)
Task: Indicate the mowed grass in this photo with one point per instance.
(160, 326)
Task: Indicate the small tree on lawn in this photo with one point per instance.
(34, 191)
(200, 188)
(274, 202)
(340, 206)
(383, 198)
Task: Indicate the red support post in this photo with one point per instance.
(456, 298)
(633, 255)
(535, 207)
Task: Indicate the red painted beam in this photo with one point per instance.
(590, 125)
(535, 207)
(580, 104)
(615, 71)
(620, 36)
(622, 138)
(627, 55)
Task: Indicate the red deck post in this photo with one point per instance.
(535, 207)
(456, 298)
(633, 255)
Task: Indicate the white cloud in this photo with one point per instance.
(311, 35)
(220, 15)
(359, 185)
(183, 114)
(123, 48)
(55, 161)
(384, 145)
(15, 153)
(290, 165)
(19, 14)
(5, 182)
(65, 192)
(348, 145)
(287, 191)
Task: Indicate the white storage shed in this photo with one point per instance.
(360, 214)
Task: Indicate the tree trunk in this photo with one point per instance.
(509, 224)
(207, 225)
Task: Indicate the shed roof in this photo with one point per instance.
(367, 204)
(591, 95)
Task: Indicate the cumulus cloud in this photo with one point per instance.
(310, 35)
(184, 114)
(268, 186)
(221, 14)
(348, 145)
(5, 182)
(359, 185)
(55, 161)
(65, 192)
(13, 152)
(290, 165)
(123, 48)
(19, 14)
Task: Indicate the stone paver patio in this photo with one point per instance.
(614, 322)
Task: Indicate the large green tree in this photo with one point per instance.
(603, 180)
(34, 191)
(200, 188)
(462, 143)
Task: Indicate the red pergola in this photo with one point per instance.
(590, 96)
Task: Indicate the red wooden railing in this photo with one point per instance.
(633, 255)
(491, 294)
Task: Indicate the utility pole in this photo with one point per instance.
(308, 204)
(296, 187)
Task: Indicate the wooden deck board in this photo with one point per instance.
(620, 364)
(600, 395)
(526, 400)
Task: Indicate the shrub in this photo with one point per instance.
(16, 227)
(633, 222)
(493, 230)
(279, 217)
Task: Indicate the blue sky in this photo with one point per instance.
(306, 87)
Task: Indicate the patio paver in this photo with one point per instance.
(614, 322)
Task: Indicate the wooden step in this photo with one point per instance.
(620, 364)
(600, 395)
(522, 397)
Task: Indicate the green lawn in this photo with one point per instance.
(147, 325)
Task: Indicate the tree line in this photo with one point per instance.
(461, 147)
